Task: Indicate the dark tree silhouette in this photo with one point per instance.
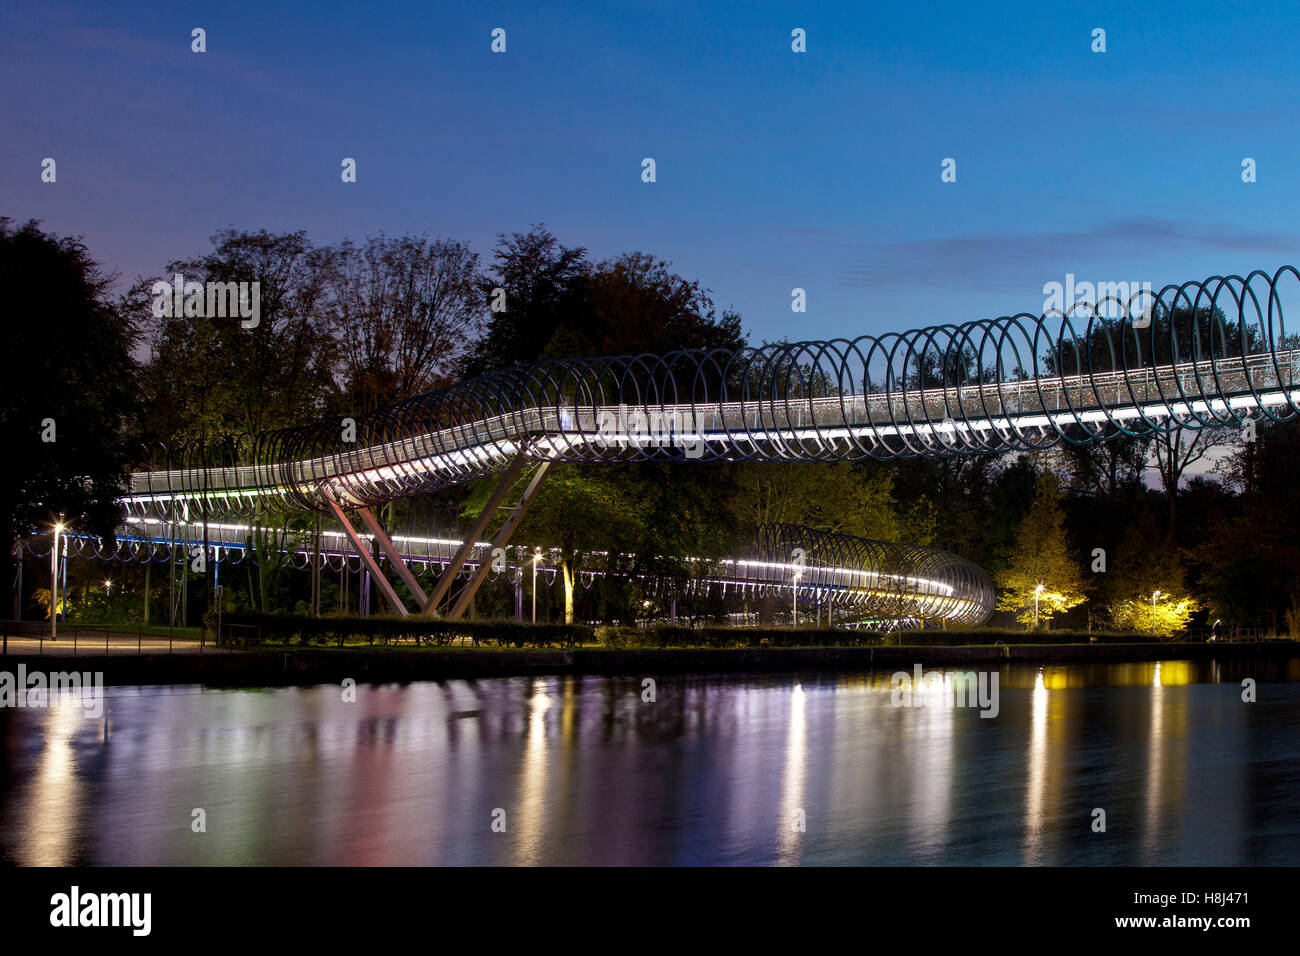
(70, 388)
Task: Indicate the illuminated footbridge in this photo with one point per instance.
(1211, 354)
(835, 572)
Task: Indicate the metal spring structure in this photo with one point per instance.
(873, 579)
(879, 578)
(1203, 354)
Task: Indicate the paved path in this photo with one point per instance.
(118, 642)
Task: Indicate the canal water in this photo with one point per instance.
(794, 769)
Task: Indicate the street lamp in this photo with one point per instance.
(1037, 591)
(54, 583)
(1154, 594)
(537, 556)
(794, 622)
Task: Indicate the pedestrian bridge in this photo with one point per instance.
(821, 572)
(1014, 383)
(1209, 354)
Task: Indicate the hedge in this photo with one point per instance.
(336, 629)
(1000, 636)
(824, 637)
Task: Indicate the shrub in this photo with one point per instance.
(305, 630)
(280, 628)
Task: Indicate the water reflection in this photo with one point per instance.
(767, 769)
(794, 816)
(532, 783)
(932, 778)
(1155, 768)
(53, 813)
(1035, 790)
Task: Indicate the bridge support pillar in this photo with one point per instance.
(503, 536)
(368, 559)
(467, 547)
(394, 557)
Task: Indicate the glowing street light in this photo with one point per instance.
(1037, 591)
(794, 617)
(537, 556)
(54, 583)
(1154, 594)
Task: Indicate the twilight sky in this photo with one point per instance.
(775, 169)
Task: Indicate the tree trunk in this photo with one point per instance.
(567, 570)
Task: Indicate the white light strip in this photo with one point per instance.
(550, 437)
(811, 571)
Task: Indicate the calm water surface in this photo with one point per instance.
(718, 770)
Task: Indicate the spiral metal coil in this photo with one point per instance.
(875, 579)
(878, 578)
(1199, 355)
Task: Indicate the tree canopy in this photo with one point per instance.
(69, 400)
(1042, 578)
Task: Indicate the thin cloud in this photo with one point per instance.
(176, 53)
(999, 262)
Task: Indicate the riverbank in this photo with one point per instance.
(387, 665)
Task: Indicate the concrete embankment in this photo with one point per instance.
(302, 666)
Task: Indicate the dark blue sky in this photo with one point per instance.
(775, 169)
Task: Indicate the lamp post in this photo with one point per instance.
(794, 617)
(54, 584)
(1037, 591)
(537, 556)
(1154, 594)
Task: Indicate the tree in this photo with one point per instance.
(70, 390)
(1042, 565)
(1145, 589)
(1176, 450)
(635, 304)
(1250, 559)
(582, 511)
(211, 378)
(538, 282)
(1112, 468)
(403, 312)
(557, 304)
(982, 498)
(830, 496)
(213, 386)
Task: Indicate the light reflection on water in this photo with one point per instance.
(755, 769)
